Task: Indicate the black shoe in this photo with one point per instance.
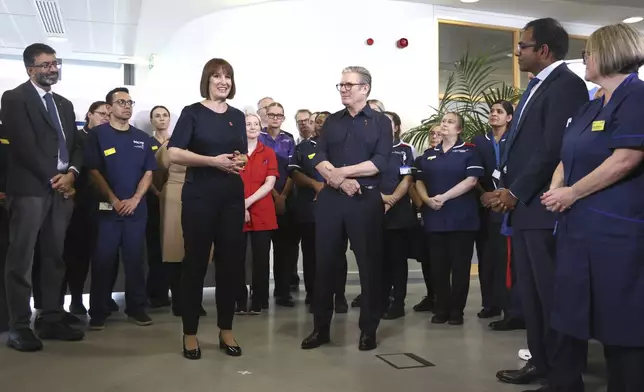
(507, 324)
(24, 340)
(284, 302)
(70, 319)
(394, 312)
(233, 351)
(455, 320)
(341, 305)
(308, 299)
(316, 339)
(241, 309)
(96, 324)
(191, 354)
(356, 302)
(112, 306)
(294, 288)
(489, 313)
(255, 310)
(426, 305)
(77, 309)
(141, 319)
(156, 303)
(367, 341)
(439, 319)
(526, 375)
(59, 331)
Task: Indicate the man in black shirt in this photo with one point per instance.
(353, 150)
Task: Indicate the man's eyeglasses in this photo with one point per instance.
(123, 103)
(522, 46)
(47, 66)
(274, 116)
(303, 122)
(347, 86)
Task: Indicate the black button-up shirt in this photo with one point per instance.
(348, 141)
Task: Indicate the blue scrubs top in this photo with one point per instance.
(401, 215)
(302, 161)
(599, 282)
(284, 147)
(122, 158)
(441, 171)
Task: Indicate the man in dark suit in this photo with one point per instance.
(530, 156)
(4, 227)
(44, 160)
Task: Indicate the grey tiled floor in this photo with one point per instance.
(127, 358)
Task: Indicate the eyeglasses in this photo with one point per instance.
(302, 122)
(123, 103)
(46, 66)
(584, 56)
(347, 86)
(521, 46)
(274, 116)
(102, 114)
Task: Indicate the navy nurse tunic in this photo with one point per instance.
(401, 215)
(600, 241)
(441, 171)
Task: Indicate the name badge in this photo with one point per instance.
(109, 151)
(103, 206)
(154, 148)
(598, 126)
(496, 174)
(405, 170)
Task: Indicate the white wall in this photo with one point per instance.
(83, 82)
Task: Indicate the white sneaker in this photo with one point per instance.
(524, 354)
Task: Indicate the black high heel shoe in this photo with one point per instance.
(191, 354)
(233, 351)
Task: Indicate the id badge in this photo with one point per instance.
(405, 170)
(103, 206)
(496, 174)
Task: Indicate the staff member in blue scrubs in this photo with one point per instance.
(353, 150)
(597, 188)
(210, 139)
(120, 160)
(449, 173)
(308, 184)
(400, 219)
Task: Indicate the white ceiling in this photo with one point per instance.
(117, 30)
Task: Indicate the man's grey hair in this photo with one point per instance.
(365, 75)
(260, 101)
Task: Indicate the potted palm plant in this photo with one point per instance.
(469, 91)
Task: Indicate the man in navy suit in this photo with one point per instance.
(528, 160)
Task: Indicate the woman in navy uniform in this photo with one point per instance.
(493, 260)
(597, 188)
(210, 139)
(449, 173)
(399, 220)
(419, 249)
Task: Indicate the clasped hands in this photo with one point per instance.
(559, 199)
(500, 200)
(64, 183)
(435, 202)
(338, 180)
(230, 163)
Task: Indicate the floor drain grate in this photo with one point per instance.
(405, 361)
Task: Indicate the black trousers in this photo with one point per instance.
(32, 218)
(493, 269)
(451, 255)
(307, 234)
(79, 245)
(625, 367)
(395, 267)
(157, 284)
(260, 243)
(285, 253)
(360, 219)
(534, 256)
(4, 243)
(419, 251)
(206, 222)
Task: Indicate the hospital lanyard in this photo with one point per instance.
(497, 150)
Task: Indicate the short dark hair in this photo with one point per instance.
(396, 119)
(212, 67)
(92, 108)
(507, 106)
(34, 50)
(109, 98)
(158, 107)
(307, 111)
(550, 32)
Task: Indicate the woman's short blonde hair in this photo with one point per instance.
(616, 49)
(253, 114)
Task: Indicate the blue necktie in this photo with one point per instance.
(63, 155)
(517, 117)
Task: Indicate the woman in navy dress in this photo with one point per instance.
(210, 139)
(598, 189)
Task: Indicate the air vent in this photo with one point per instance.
(50, 17)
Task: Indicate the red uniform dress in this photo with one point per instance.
(261, 164)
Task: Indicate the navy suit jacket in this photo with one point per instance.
(535, 151)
